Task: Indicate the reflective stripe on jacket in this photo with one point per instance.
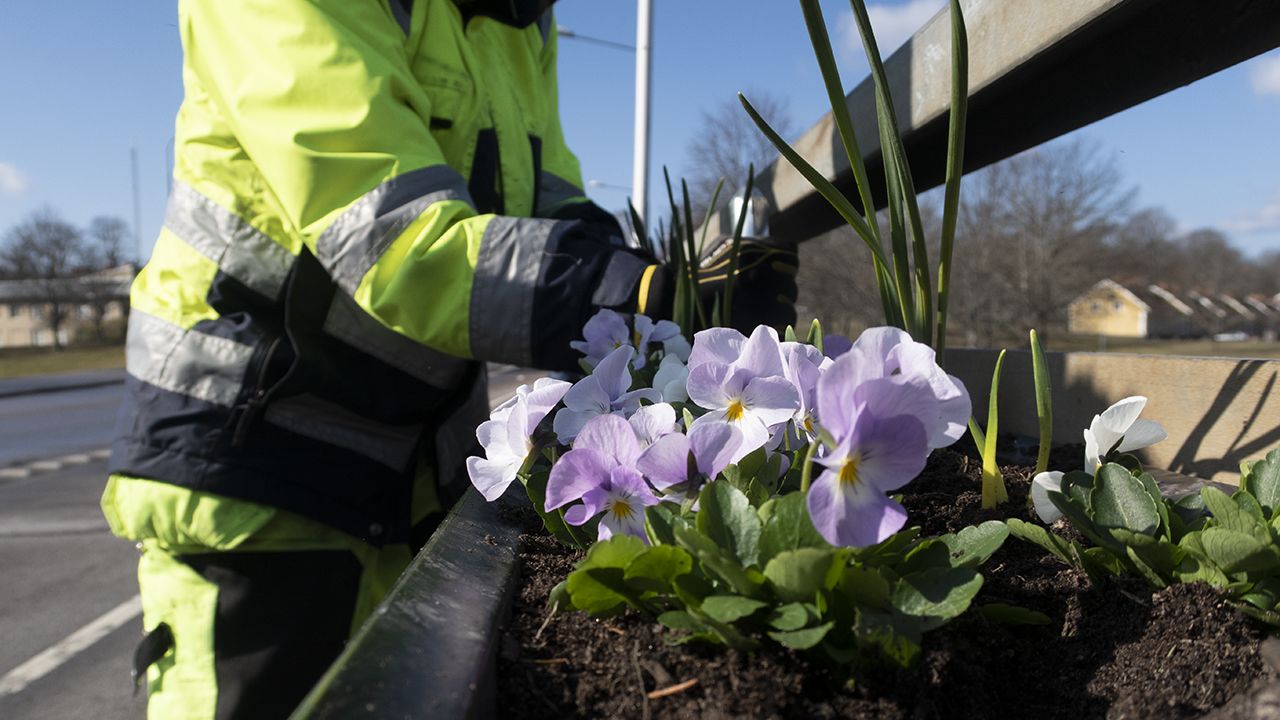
(364, 201)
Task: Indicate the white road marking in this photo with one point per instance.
(46, 662)
(17, 472)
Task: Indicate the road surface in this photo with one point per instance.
(68, 611)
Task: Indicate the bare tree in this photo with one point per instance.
(109, 235)
(1033, 235)
(727, 142)
(46, 251)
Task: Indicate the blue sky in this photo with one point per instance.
(84, 83)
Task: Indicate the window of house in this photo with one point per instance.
(15, 310)
(1095, 306)
(1116, 305)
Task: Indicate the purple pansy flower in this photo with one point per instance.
(652, 422)
(506, 436)
(603, 392)
(605, 332)
(666, 462)
(741, 381)
(873, 454)
(671, 378)
(803, 366)
(601, 471)
(647, 331)
(944, 409)
(833, 346)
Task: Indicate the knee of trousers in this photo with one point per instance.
(252, 630)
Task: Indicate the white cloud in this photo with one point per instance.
(1264, 219)
(893, 24)
(1265, 77)
(12, 181)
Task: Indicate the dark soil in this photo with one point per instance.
(1117, 652)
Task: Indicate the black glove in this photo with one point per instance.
(764, 291)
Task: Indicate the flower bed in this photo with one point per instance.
(1115, 651)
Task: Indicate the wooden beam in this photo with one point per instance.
(1038, 70)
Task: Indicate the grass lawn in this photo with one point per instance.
(19, 362)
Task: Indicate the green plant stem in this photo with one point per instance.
(1044, 402)
(806, 470)
(955, 168)
(706, 217)
(692, 258)
(993, 490)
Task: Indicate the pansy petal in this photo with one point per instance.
(491, 477)
(627, 482)
(713, 445)
(677, 346)
(761, 353)
(773, 400)
(1115, 420)
(666, 462)
(545, 394)
(721, 345)
(652, 422)
(576, 473)
(593, 502)
(629, 402)
(588, 394)
(1041, 484)
(612, 437)
(852, 514)
(876, 342)
(706, 385)
(754, 433)
(568, 423)
(837, 386)
(614, 371)
(1142, 433)
(1092, 453)
(892, 451)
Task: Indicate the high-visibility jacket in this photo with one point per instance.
(369, 197)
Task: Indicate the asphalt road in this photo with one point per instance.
(67, 628)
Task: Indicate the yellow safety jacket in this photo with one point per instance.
(369, 197)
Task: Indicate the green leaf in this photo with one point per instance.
(598, 584)
(1119, 500)
(1262, 481)
(973, 545)
(1236, 552)
(1002, 614)
(681, 620)
(657, 567)
(955, 166)
(791, 616)
(1044, 402)
(726, 517)
(728, 608)
(1162, 505)
(802, 639)
(936, 595)
(1145, 570)
(797, 575)
(896, 635)
(718, 563)
(558, 599)
(865, 586)
(1077, 485)
(660, 522)
(788, 528)
(1228, 515)
(994, 491)
(815, 334)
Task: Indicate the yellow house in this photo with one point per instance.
(94, 307)
(1108, 308)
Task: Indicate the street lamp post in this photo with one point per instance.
(640, 157)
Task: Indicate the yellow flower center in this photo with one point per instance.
(734, 413)
(849, 470)
(808, 424)
(621, 509)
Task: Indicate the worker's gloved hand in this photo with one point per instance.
(764, 291)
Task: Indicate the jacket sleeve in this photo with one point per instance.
(319, 94)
